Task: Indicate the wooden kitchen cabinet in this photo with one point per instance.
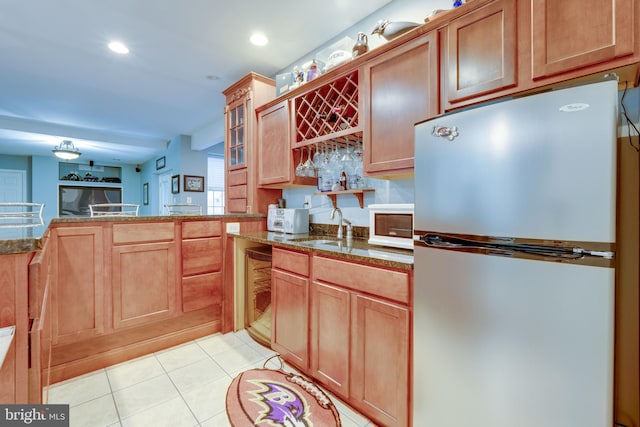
(379, 359)
(143, 273)
(360, 336)
(289, 306)
(274, 147)
(78, 284)
(570, 35)
(400, 89)
(14, 312)
(276, 159)
(241, 147)
(40, 333)
(201, 265)
(479, 53)
(330, 333)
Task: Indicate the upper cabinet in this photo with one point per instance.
(400, 88)
(479, 53)
(276, 159)
(569, 35)
(240, 142)
(273, 145)
(502, 47)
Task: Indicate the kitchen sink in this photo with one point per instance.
(317, 242)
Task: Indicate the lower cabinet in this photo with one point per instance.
(289, 306)
(201, 265)
(143, 270)
(77, 291)
(143, 283)
(380, 359)
(330, 333)
(358, 342)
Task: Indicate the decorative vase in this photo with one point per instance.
(361, 46)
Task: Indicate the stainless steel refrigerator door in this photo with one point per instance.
(539, 167)
(502, 342)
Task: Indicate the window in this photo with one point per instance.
(215, 185)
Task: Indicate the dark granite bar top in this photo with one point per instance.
(356, 250)
(14, 240)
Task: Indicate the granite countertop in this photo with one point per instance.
(357, 250)
(15, 240)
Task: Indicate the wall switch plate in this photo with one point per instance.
(307, 202)
(189, 200)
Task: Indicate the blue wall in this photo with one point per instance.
(179, 160)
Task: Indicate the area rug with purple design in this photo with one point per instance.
(273, 397)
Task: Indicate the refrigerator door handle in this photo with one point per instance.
(443, 241)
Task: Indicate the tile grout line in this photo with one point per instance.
(113, 398)
(177, 389)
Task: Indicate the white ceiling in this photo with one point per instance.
(59, 81)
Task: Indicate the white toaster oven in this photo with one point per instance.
(291, 221)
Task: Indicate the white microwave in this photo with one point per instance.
(391, 225)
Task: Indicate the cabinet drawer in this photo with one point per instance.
(238, 192)
(237, 205)
(389, 284)
(295, 262)
(195, 229)
(142, 232)
(237, 177)
(201, 256)
(201, 291)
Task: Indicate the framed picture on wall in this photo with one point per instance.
(161, 162)
(193, 183)
(145, 193)
(175, 184)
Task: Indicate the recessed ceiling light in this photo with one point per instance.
(259, 39)
(118, 47)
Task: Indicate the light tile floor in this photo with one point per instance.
(185, 386)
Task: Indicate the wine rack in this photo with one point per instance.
(329, 111)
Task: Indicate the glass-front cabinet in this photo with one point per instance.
(242, 192)
(236, 134)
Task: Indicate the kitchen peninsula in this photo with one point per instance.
(85, 293)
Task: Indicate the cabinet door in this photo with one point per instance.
(567, 35)
(401, 89)
(380, 359)
(274, 149)
(480, 54)
(329, 346)
(289, 299)
(144, 283)
(77, 284)
(235, 120)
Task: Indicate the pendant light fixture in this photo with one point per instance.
(66, 150)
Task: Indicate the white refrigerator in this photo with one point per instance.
(514, 262)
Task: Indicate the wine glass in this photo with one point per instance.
(307, 166)
(300, 168)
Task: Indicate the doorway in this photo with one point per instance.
(13, 186)
(164, 192)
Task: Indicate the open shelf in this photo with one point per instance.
(359, 193)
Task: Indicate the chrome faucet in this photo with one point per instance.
(339, 212)
(342, 221)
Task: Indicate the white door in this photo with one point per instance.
(164, 192)
(13, 186)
